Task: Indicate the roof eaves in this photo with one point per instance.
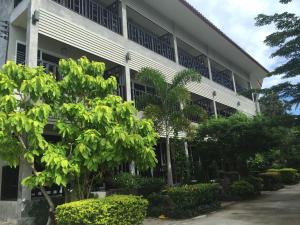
(202, 17)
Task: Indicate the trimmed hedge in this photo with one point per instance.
(128, 183)
(271, 181)
(288, 175)
(113, 210)
(242, 189)
(185, 201)
(257, 183)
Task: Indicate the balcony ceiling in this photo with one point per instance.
(192, 22)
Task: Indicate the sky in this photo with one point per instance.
(236, 19)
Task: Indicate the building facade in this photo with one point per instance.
(127, 35)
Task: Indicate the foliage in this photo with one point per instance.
(257, 183)
(285, 40)
(288, 175)
(142, 185)
(98, 130)
(116, 210)
(163, 106)
(232, 141)
(271, 105)
(184, 201)
(125, 180)
(242, 189)
(257, 163)
(271, 181)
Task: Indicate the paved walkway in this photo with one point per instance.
(272, 208)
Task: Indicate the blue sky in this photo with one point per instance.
(236, 19)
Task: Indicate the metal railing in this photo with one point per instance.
(151, 41)
(223, 78)
(244, 92)
(50, 67)
(197, 63)
(226, 112)
(17, 2)
(94, 11)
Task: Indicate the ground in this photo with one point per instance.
(272, 208)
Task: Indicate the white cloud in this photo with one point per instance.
(236, 19)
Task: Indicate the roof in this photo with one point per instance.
(202, 17)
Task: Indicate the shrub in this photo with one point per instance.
(257, 183)
(149, 185)
(114, 210)
(184, 201)
(288, 175)
(242, 189)
(128, 183)
(271, 181)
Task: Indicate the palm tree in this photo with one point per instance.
(169, 105)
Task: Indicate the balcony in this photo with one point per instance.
(159, 44)
(196, 63)
(244, 92)
(91, 9)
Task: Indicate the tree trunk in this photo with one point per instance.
(169, 164)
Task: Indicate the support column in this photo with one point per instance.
(24, 193)
(175, 48)
(215, 108)
(32, 35)
(233, 80)
(209, 68)
(127, 77)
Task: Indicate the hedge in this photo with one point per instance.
(257, 183)
(113, 210)
(184, 201)
(271, 181)
(288, 175)
(242, 189)
(128, 183)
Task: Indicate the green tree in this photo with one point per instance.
(232, 141)
(99, 131)
(286, 41)
(271, 105)
(169, 106)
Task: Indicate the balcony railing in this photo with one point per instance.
(197, 63)
(244, 91)
(92, 10)
(151, 41)
(50, 67)
(17, 2)
(221, 77)
(226, 112)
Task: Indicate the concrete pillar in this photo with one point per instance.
(209, 68)
(5, 11)
(233, 80)
(124, 18)
(32, 35)
(215, 108)
(175, 48)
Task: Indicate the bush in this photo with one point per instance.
(184, 201)
(242, 189)
(271, 181)
(257, 183)
(147, 185)
(128, 183)
(114, 210)
(288, 175)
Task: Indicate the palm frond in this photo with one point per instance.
(156, 114)
(153, 78)
(195, 112)
(184, 77)
(147, 99)
(178, 95)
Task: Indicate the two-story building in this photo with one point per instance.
(168, 35)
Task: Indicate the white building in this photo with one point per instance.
(168, 35)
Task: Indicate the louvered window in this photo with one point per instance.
(21, 54)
